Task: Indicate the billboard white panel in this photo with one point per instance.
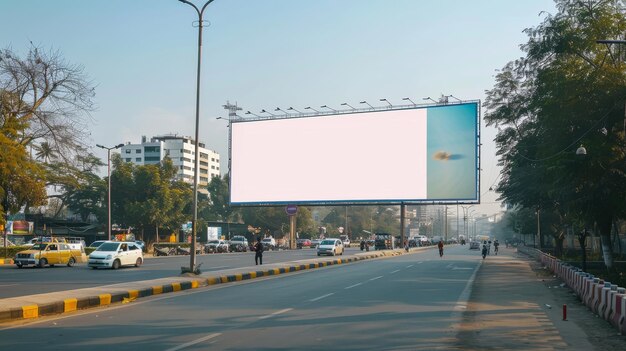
(392, 156)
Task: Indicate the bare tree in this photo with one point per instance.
(50, 96)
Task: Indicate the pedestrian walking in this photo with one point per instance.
(258, 249)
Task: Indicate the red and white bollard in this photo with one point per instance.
(564, 312)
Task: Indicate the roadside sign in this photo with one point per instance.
(291, 209)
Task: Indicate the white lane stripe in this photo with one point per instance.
(409, 266)
(197, 341)
(276, 313)
(352, 286)
(7, 284)
(321, 297)
(396, 271)
(380, 276)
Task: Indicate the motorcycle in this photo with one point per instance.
(182, 251)
(158, 251)
(484, 251)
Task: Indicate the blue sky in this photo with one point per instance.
(141, 55)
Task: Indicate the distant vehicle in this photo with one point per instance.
(114, 254)
(315, 242)
(42, 254)
(382, 241)
(269, 244)
(330, 247)
(345, 240)
(238, 243)
(216, 246)
(302, 243)
(474, 245)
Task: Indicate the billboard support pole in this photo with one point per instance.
(292, 232)
(402, 224)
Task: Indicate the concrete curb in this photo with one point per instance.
(34, 306)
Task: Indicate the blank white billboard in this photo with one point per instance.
(394, 156)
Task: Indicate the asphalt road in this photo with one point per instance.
(408, 302)
(29, 281)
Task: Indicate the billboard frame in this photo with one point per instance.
(356, 111)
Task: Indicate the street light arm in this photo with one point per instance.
(194, 6)
(205, 5)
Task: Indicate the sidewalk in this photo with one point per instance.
(515, 304)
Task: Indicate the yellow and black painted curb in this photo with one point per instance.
(72, 304)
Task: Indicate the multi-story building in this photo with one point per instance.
(180, 150)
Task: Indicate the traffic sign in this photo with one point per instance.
(291, 209)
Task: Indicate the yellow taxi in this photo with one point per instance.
(48, 253)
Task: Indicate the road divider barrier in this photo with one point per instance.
(606, 300)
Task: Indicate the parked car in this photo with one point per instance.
(269, 244)
(330, 247)
(302, 243)
(315, 242)
(474, 245)
(42, 254)
(238, 243)
(214, 246)
(141, 244)
(96, 243)
(114, 254)
(345, 240)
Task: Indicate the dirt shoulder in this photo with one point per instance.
(516, 304)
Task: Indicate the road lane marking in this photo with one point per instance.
(7, 284)
(420, 262)
(353, 286)
(409, 266)
(321, 297)
(380, 276)
(396, 271)
(276, 313)
(197, 341)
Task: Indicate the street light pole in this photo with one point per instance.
(192, 256)
(108, 149)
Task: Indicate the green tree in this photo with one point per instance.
(567, 90)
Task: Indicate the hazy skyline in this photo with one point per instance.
(141, 56)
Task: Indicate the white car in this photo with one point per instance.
(330, 247)
(114, 254)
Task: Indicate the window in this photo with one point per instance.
(128, 159)
(217, 168)
(151, 149)
(152, 158)
(212, 167)
(138, 159)
(212, 159)
(202, 163)
(138, 151)
(204, 179)
(127, 151)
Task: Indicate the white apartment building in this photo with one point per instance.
(180, 149)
